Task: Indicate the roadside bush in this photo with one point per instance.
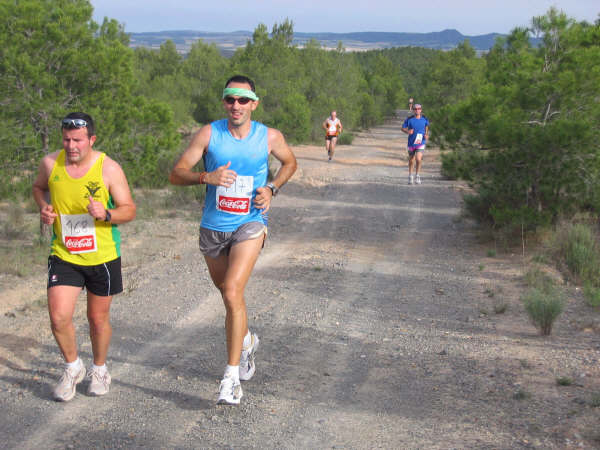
(581, 253)
(536, 278)
(592, 295)
(543, 306)
(14, 226)
(574, 247)
(345, 139)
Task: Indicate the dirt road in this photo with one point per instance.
(375, 307)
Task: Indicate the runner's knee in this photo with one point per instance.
(98, 321)
(60, 321)
(233, 295)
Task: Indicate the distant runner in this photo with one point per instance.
(417, 128)
(233, 230)
(410, 104)
(333, 128)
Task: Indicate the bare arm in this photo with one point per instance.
(283, 153)
(40, 189)
(182, 174)
(116, 183)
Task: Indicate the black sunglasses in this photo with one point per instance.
(240, 100)
(74, 123)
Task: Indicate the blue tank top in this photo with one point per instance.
(225, 209)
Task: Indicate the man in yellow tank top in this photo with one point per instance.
(88, 196)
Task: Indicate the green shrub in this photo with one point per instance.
(592, 295)
(543, 306)
(536, 278)
(345, 139)
(500, 307)
(564, 381)
(522, 394)
(580, 252)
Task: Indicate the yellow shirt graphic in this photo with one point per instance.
(78, 238)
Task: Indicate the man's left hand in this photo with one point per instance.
(96, 209)
(263, 198)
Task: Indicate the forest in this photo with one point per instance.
(519, 123)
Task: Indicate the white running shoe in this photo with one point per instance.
(67, 386)
(247, 366)
(418, 180)
(99, 384)
(230, 392)
(410, 179)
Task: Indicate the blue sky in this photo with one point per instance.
(468, 17)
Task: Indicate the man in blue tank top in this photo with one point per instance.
(236, 153)
(417, 128)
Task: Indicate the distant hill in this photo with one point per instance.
(359, 41)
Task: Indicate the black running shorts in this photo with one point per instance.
(103, 280)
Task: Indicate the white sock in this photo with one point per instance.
(75, 365)
(100, 369)
(247, 341)
(232, 372)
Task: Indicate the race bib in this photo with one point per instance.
(236, 198)
(332, 130)
(419, 138)
(78, 233)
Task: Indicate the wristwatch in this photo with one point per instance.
(274, 189)
(108, 216)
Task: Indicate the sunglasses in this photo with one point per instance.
(241, 100)
(74, 123)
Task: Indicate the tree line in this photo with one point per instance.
(56, 59)
(523, 122)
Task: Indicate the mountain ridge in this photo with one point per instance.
(228, 42)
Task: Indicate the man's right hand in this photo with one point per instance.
(221, 177)
(48, 215)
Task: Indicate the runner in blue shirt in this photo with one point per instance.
(417, 128)
(236, 153)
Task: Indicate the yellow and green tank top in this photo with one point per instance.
(78, 238)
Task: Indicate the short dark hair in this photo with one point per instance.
(241, 79)
(91, 128)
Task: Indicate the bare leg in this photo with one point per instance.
(98, 308)
(419, 157)
(332, 147)
(61, 307)
(230, 274)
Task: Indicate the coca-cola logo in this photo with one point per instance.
(80, 243)
(234, 205)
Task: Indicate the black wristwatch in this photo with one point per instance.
(108, 216)
(274, 189)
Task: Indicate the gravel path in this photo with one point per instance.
(374, 303)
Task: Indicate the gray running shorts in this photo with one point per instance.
(212, 242)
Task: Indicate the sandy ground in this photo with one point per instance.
(377, 306)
